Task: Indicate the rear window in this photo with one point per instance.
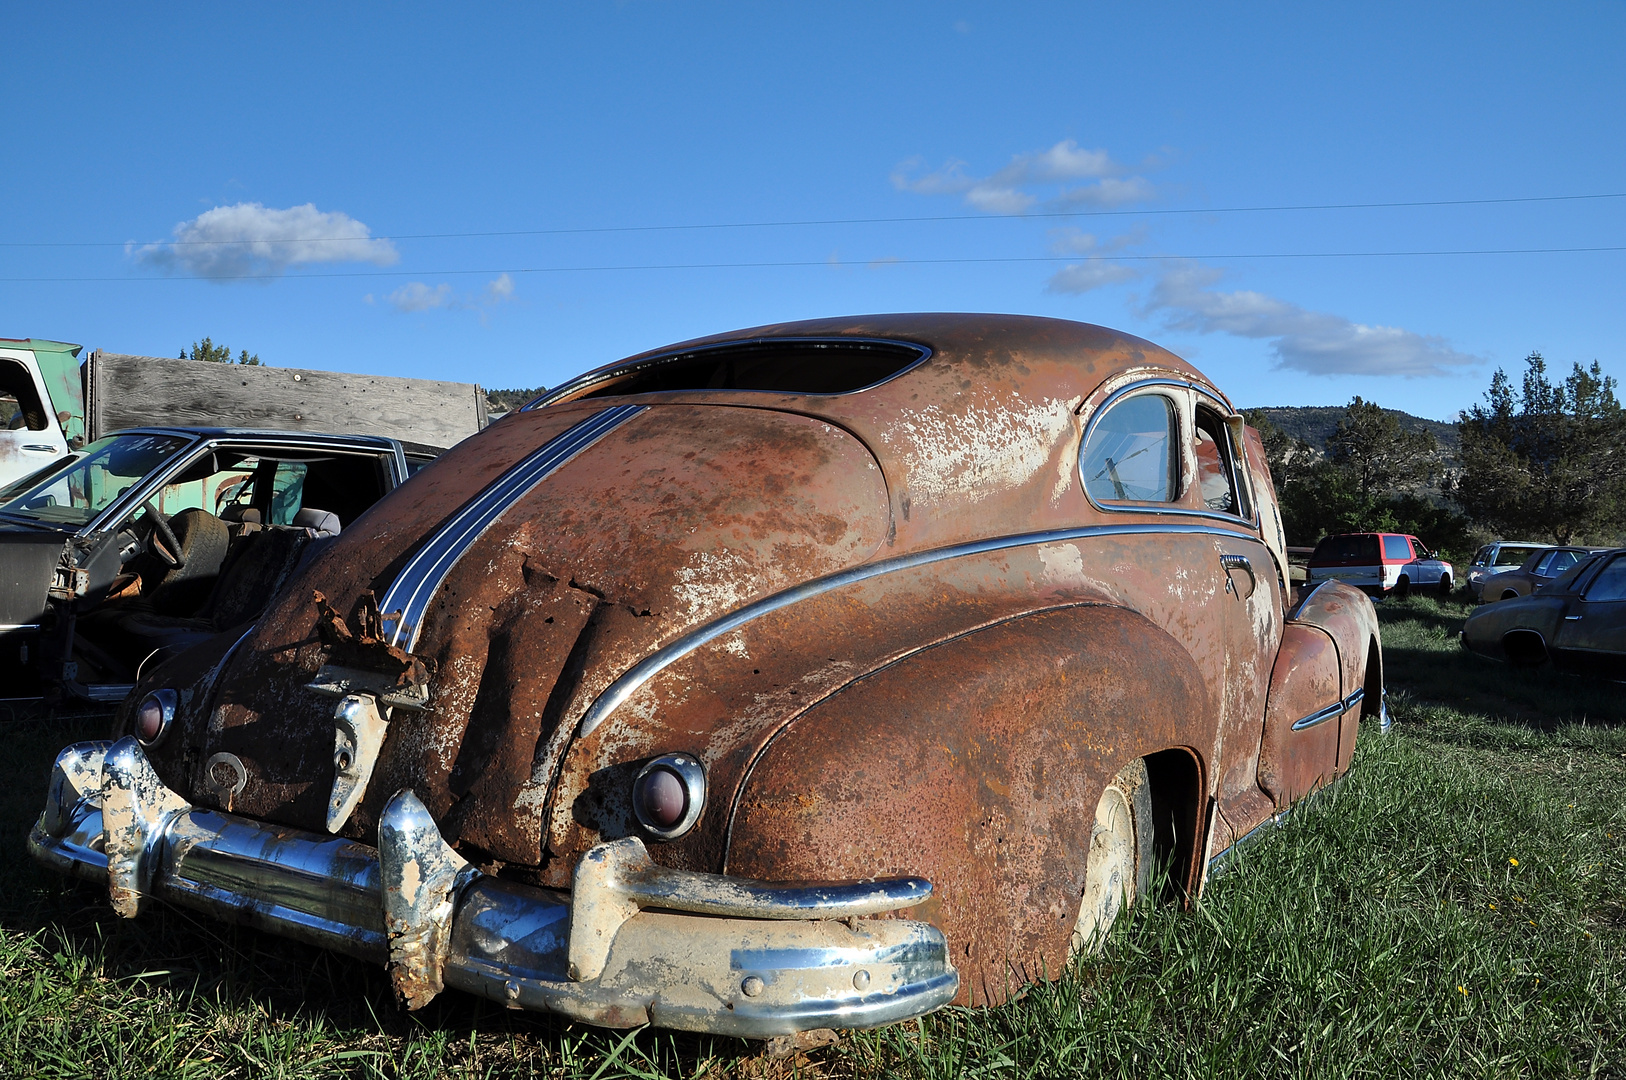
(784, 367)
(1396, 548)
(1350, 548)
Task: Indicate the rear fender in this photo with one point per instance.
(977, 764)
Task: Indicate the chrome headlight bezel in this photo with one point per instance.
(691, 775)
(166, 701)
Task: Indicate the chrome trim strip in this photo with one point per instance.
(618, 367)
(624, 687)
(18, 626)
(1336, 709)
(1299, 607)
(1221, 862)
(415, 586)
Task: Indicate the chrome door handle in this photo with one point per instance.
(1239, 562)
(39, 449)
(1572, 618)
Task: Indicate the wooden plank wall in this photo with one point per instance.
(138, 391)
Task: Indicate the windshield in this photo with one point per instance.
(75, 492)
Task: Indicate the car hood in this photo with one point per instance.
(675, 515)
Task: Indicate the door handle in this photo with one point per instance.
(1572, 618)
(1239, 562)
(39, 448)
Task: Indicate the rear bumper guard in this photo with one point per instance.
(712, 953)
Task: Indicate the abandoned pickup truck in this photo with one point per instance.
(154, 539)
(810, 676)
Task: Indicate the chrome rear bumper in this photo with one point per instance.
(718, 954)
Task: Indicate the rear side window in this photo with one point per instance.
(1557, 563)
(1396, 548)
(1130, 455)
(1610, 584)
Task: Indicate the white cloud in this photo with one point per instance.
(500, 289)
(418, 296)
(1313, 341)
(1082, 277)
(1098, 269)
(250, 239)
(1006, 191)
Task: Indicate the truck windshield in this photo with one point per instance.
(78, 490)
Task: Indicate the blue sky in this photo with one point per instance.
(353, 160)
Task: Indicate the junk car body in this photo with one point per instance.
(1379, 563)
(1539, 569)
(151, 540)
(1577, 620)
(650, 701)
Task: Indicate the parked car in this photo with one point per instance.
(1497, 558)
(1577, 621)
(1380, 564)
(1539, 569)
(154, 539)
(676, 677)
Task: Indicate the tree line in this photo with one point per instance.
(1541, 461)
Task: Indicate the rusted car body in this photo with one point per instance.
(963, 620)
(1577, 621)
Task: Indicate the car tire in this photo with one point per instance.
(1119, 864)
(1510, 594)
(1445, 586)
(1402, 587)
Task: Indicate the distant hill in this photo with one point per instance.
(1316, 423)
(501, 401)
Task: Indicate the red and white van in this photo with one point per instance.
(1380, 563)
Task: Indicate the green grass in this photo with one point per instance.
(1385, 931)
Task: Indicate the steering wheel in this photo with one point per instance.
(169, 552)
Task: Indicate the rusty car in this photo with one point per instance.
(151, 540)
(809, 676)
(1576, 620)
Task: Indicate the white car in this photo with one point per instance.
(1497, 558)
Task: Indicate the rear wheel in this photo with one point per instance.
(1445, 586)
(1120, 857)
(1403, 587)
(1510, 594)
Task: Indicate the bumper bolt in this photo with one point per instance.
(751, 987)
(861, 979)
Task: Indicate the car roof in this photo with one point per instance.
(379, 442)
(991, 347)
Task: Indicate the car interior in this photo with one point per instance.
(213, 546)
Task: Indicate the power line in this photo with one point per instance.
(799, 223)
(872, 263)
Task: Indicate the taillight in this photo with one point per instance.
(154, 716)
(669, 795)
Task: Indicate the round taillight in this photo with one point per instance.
(669, 795)
(154, 716)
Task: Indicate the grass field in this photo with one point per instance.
(1456, 908)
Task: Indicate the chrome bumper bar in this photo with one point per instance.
(714, 954)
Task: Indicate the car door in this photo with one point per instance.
(1249, 613)
(29, 436)
(1592, 635)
